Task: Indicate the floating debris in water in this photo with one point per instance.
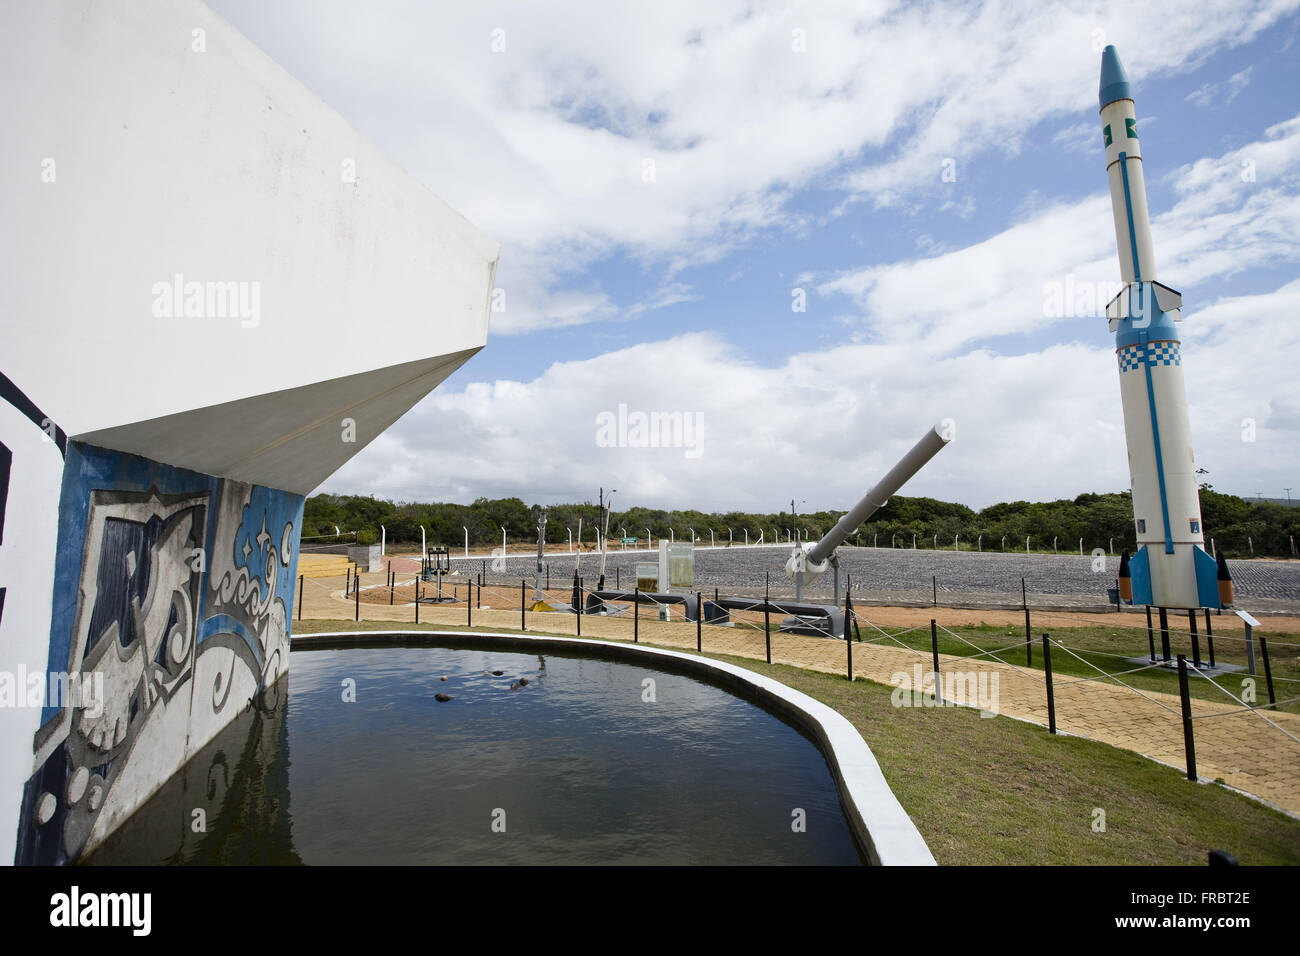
(441, 697)
(497, 673)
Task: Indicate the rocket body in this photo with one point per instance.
(1171, 568)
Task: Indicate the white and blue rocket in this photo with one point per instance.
(1171, 567)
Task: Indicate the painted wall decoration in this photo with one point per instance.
(173, 594)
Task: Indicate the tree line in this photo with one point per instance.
(1239, 527)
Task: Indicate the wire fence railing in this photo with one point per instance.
(1084, 684)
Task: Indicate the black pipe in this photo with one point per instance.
(636, 614)
(1164, 635)
(1151, 637)
(300, 577)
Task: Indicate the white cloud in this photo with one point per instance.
(544, 144)
(1000, 286)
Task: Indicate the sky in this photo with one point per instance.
(815, 230)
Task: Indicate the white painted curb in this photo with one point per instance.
(882, 828)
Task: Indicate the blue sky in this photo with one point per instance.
(821, 168)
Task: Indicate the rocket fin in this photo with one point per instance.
(1207, 579)
(1139, 569)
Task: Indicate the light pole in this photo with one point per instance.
(692, 531)
(624, 530)
(649, 539)
(424, 550)
(570, 530)
(383, 540)
(466, 530)
(730, 540)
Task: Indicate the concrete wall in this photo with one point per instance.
(216, 293)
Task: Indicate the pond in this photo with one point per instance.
(533, 759)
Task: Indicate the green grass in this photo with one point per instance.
(999, 791)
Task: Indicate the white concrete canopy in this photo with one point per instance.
(292, 440)
(148, 141)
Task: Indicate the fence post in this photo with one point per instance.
(848, 638)
(1188, 744)
(1209, 635)
(934, 650)
(934, 590)
(767, 620)
(1151, 637)
(1268, 671)
(581, 601)
(300, 577)
(357, 592)
(417, 600)
(1164, 635)
(636, 614)
(523, 604)
(1029, 640)
(469, 606)
(391, 585)
(1051, 697)
(699, 617)
(347, 585)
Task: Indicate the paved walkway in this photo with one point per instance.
(1254, 752)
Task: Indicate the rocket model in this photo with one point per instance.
(1171, 567)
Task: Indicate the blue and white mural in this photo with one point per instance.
(173, 594)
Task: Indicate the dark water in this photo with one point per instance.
(575, 765)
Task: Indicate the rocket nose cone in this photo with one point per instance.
(1114, 81)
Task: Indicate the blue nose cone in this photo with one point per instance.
(1114, 81)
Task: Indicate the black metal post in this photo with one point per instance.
(1196, 643)
(523, 604)
(1209, 635)
(699, 617)
(636, 614)
(1188, 744)
(934, 590)
(1164, 635)
(934, 650)
(581, 602)
(392, 583)
(548, 576)
(347, 585)
(300, 577)
(767, 622)
(357, 597)
(417, 600)
(1268, 671)
(1151, 636)
(1051, 697)
(1029, 639)
(848, 638)
(469, 606)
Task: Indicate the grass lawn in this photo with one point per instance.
(999, 791)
